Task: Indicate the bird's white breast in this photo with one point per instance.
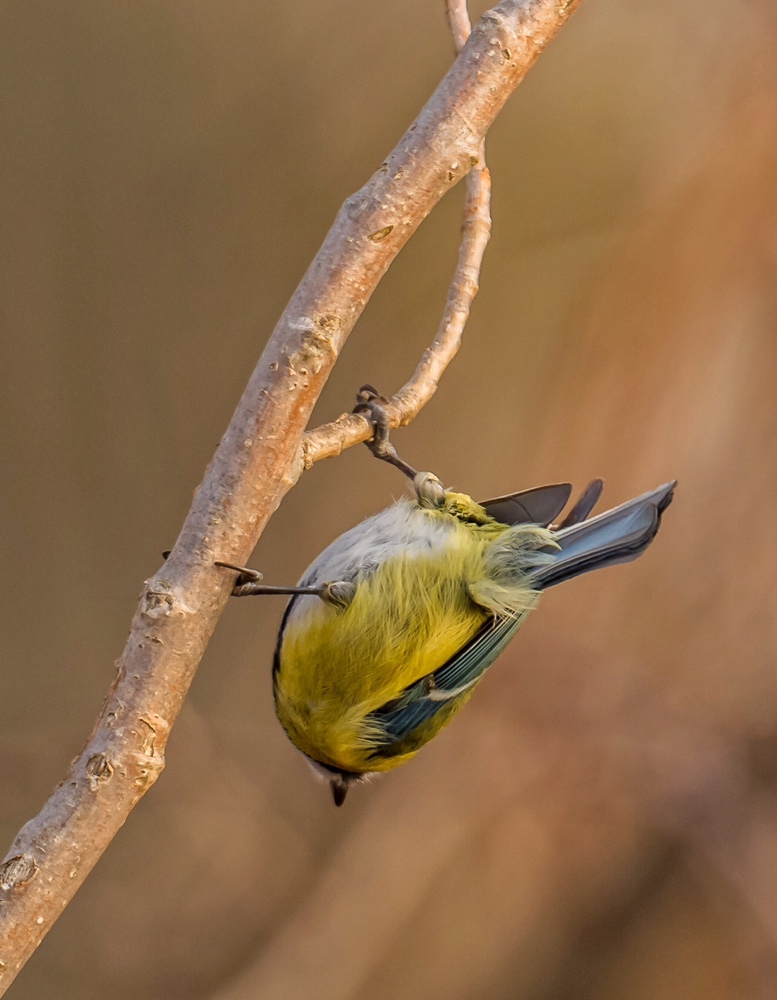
(403, 527)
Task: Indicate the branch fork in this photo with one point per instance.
(264, 451)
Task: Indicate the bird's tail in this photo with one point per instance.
(617, 536)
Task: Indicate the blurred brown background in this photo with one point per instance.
(602, 820)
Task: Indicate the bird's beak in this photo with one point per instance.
(339, 790)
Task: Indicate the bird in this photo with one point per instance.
(393, 626)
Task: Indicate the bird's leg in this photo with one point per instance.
(340, 593)
(373, 406)
(248, 583)
(428, 488)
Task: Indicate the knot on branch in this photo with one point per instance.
(161, 601)
(148, 734)
(17, 871)
(147, 771)
(510, 34)
(318, 345)
(381, 234)
(135, 754)
(98, 769)
(149, 761)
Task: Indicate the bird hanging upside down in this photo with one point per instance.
(394, 625)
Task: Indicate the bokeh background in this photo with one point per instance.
(601, 822)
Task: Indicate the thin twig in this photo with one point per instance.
(350, 429)
(458, 22)
(256, 463)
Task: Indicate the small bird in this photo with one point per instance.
(394, 625)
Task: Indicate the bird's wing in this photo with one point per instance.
(541, 505)
(439, 692)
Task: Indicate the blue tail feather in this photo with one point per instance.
(617, 536)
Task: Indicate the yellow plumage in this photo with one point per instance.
(395, 623)
(409, 615)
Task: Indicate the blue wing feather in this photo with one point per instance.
(398, 719)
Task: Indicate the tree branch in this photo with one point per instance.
(258, 460)
(350, 428)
